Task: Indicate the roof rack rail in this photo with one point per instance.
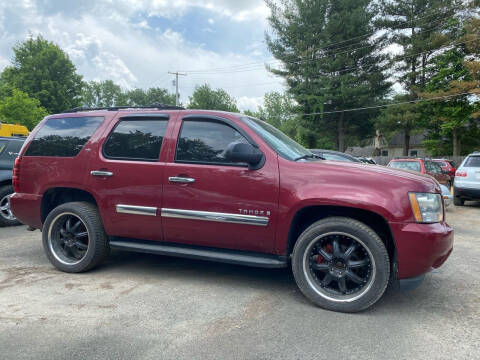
(116, 108)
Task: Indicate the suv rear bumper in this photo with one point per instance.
(421, 247)
(27, 209)
(466, 193)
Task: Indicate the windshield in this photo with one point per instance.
(278, 141)
(407, 165)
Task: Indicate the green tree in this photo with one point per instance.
(140, 97)
(101, 94)
(455, 77)
(278, 108)
(329, 66)
(107, 93)
(399, 118)
(420, 28)
(204, 97)
(19, 108)
(42, 70)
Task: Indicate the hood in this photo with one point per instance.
(377, 175)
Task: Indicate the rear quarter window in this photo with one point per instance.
(63, 137)
(472, 161)
(3, 145)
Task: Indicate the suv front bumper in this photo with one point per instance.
(421, 247)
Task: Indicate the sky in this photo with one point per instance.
(136, 43)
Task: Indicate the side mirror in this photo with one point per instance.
(245, 153)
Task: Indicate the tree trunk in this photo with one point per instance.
(341, 134)
(456, 143)
(406, 143)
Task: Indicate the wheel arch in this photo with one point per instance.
(56, 196)
(306, 216)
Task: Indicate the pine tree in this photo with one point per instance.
(420, 28)
(330, 64)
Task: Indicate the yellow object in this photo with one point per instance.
(415, 207)
(13, 130)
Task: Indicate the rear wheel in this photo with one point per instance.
(458, 201)
(341, 264)
(6, 216)
(73, 237)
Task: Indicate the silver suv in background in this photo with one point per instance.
(467, 180)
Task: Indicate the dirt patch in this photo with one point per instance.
(24, 276)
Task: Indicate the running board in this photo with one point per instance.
(203, 253)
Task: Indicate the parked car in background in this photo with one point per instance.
(230, 188)
(447, 195)
(467, 180)
(448, 166)
(9, 150)
(366, 160)
(335, 155)
(424, 166)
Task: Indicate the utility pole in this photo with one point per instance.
(177, 102)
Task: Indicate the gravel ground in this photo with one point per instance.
(152, 307)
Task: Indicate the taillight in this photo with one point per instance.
(16, 174)
(461, 173)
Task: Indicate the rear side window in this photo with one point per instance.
(441, 163)
(472, 161)
(63, 137)
(136, 140)
(406, 165)
(206, 142)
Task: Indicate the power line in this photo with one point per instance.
(398, 59)
(387, 105)
(240, 67)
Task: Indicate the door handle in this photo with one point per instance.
(101, 173)
(178, 179)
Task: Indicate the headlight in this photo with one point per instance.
(426, 207)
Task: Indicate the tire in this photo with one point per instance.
(369, 250)
(6, 216)
(457, 200)
(79, 252)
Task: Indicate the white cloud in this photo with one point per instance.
(108, 40)
(249, 103)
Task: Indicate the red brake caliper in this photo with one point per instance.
(329, 249)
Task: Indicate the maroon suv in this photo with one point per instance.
(226, 187)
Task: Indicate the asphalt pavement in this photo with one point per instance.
(140, 306)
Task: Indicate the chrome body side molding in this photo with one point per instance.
(136, 210)
(215, 216)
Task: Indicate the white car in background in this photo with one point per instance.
(467, 180)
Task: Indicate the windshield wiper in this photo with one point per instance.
(308, 156)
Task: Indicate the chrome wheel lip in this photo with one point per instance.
(322, 292)
(50, 240)
(5, 208)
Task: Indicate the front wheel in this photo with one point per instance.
(73, 237)
(341, 264)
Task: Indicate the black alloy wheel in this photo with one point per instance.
(68, 238)
(340, 264)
